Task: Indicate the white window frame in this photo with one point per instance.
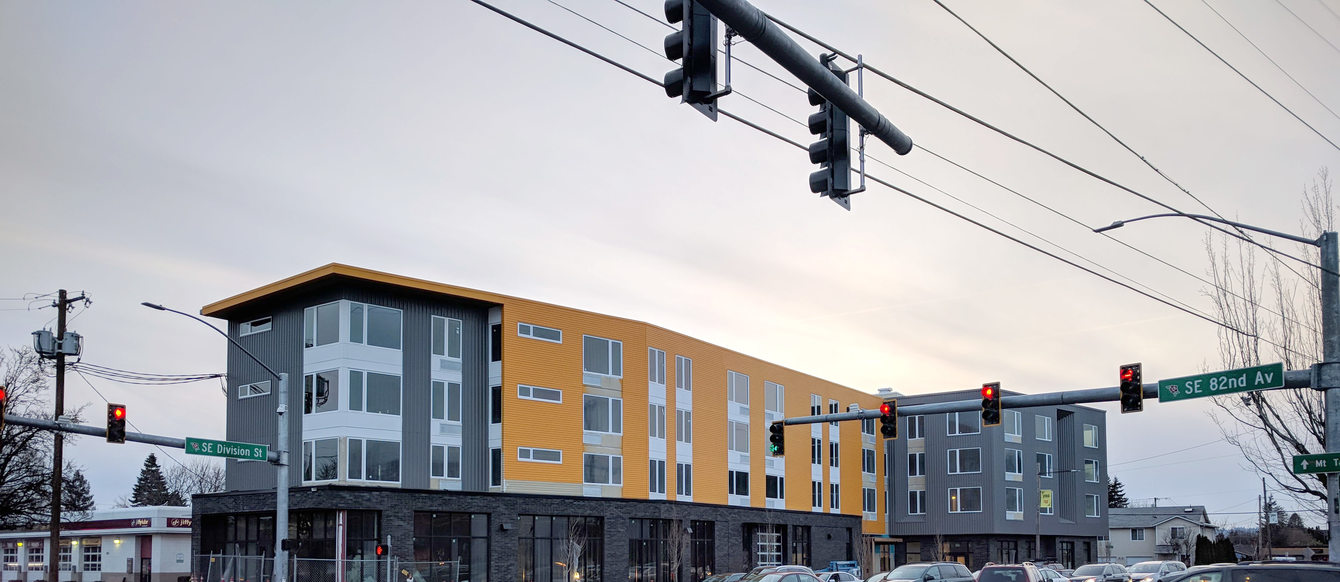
(446, 472)
(916, 464)
(1015, 494)
(774, 393)
(613, 352)
(253, 390)
(367, 314)
(957, 493)
(449, 344)
(656, 366)
(1090, 436)
(255, 326)
(734, 391)
(869, 503)
(733, 480)
(449, 403)
(835, 496)
(528, 392)
(363, 402)
(1049, 470)
(684, 373)
(1091, 506)
(527, 454)
(916, 427)
(684, 479)
(868, 465)
(816, 495)
(656, 476)
(684, 425)
(315, 376)
(916, 502)
(528, 330)
(309, 319)
(816, 405)
(612, 417)
(954, 461)
(1045, 427)
(834, 453)
(1096, 474)
(363, 461)
(735, 431)
(656, 422)
(780, 488)
(1137, 534)
(1018, 456)
(1013, 422)
(951, 423)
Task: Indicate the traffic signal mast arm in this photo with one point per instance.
(1292, 379)
(152, 439)
(752, 24)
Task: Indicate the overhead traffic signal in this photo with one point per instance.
(888, 419)
(777, 439)
(116, 423)
(991, 404)
(833, 150)
(694, 45)
(1132, 390)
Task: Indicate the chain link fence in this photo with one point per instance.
(229, 568)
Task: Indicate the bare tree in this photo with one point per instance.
(200, 476)
(573, 547)
(1276, 317)
(1180, 547)
(936, 553)
(677, 539)
(25, 452)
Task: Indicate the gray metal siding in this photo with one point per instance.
(254, 419)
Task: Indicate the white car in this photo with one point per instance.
(838, 577)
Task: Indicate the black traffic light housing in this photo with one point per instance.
(1132, 389)
(888, 419)
(694, 45)
(991, 404)
(777, 439)
(833, 150)
(381, 550)
(116, 423)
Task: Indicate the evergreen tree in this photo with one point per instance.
(1116, 493)
(76, 495)
(1223, 550)
(1204, 550)
(151, 488)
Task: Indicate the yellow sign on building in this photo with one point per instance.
(1046, 501)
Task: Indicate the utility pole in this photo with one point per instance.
(62, 304)
(1328, 373)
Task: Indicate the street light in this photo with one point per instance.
(1326, 374)
(281, 447)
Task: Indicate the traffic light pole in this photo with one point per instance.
(1328, 375)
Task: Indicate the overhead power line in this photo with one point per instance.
(1309, 25)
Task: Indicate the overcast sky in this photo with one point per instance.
(182, 153)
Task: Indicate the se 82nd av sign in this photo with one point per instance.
(1217, 383)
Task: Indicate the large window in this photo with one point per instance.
(602, 469)
(868, 499)
(656, 366)
(816, 405)
(602, 356)
(450, 546)
(1014, 464)
(1091, 472)
(965, 499)
(965, 461)
(92, 554)
(916, 502)
(371, 460)
(816, 494)
(737, 387)
(835, 496)
(737, 482)
(601, 414)
(774, 396)
(649, 543)
(447, 337)
(816, 451)
(683, 425)
(775, 487)
(683, 373)
(916, 464)
(656, 420)
(445, 462)
(1014, 503)
(548, 334)
(1044, 466)
(1091, 506)
(321, 325)
(374, 325)
(1043, 426)
(656, 475)
(321, 392)
(1090, 436)
(320, 460)
(1137, 534)
(548, 547)
(702, 550)
(1014, 425)
(959, 423)
(834, 454)
(737, 436)
(447, 401)
(373, 392)
(868, 461)
(525, 392)
(684, 479)
(916, 427)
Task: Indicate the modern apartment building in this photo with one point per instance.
(968, 493)
(495, 433)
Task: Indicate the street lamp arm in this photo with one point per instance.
(1284, 235)
(221, 332)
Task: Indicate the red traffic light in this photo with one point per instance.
(885, 409)
(381, 550)
(1127, 373)
(119, 412)
(2, 393)
(988, 391)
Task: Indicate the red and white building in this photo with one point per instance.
(135, 544)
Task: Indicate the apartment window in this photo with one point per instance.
(539, 332)
(535, 455)
(833, 454)
(916, 427)
(321, 392)
(92, 554)
(1014, 502)
(737, 436)
(445, 462)
(495, 405)
(683, 425)
(374, 325)
(737, 387)
(684, 479)
(601, 414)
(525, 392)
(1090, 436)
(602, 469)
(868, 426)
(833, 409)
(916, 502)
(371, 460)
(1014, 425)
(656, 421)
(1137, 534)
(773, 396)
(961, 423)
(965, 499)
(816, 405)
(916, 464)
(868, 461)
(683, 373)
(1044, 426)
(965, 461)
(816, 494)
(737, 482)
(495, 342)
(602, 356)
(447, 337)
(657, 476)
(253, 389)
(495, 467)
(834, 496)
(447, 401)
(816, 451)
(1045, 465)
(321, 325)
(868, 500)
(775, 487)
(655, 366)
(1014, 464)
(1091, 506)
(382, 392)
(1091, 470)
(254, 326)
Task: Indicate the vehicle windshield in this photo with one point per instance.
(1090, 570)
(912, 571)
(1144, 567)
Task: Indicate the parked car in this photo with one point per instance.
(780, 576)
(731, 577)
(1051, 575)
(923, 571)
(1261, 572)
(1100, 573)
(1010, 573)
(837, 577)
(849, 566)
(1155, 571)
(1058, 567)
(877, 577)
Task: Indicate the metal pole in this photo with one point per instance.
(281, 482)
(1037, 532)
(1330, 326)
(58, 442)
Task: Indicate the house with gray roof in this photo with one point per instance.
(1138, 534)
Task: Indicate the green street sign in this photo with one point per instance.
(1227, 382)
(1320, 463)
(232, 450)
